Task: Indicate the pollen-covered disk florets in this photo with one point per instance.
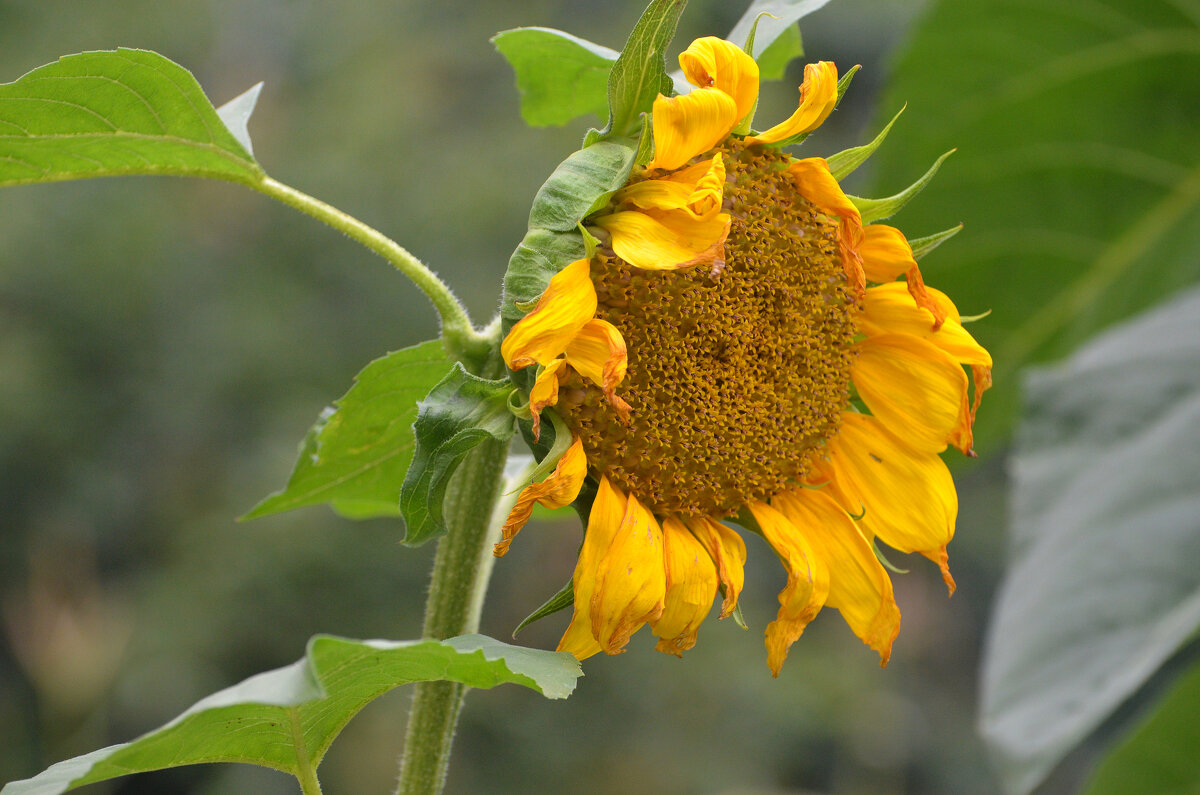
(739, 346)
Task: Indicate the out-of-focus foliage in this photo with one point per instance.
(1103, 585)
(286, 719)
(1077, 174)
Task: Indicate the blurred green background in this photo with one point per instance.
(165, 344)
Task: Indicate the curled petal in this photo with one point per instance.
(807, 586)
(859, 587)
(608, 509)
(907, 498)
(568, 303)
(891, 309)
(598, 353)
(691, 586)
(917, 391)
(556, 491)
(728, 552)
(545, 392)
(690, 125)
(715, 63)
(818, 98)
(666, 240)
(886, 255)
(697, 189)
(816, 183)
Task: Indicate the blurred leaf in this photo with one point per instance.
(286, 719)
(1104, 584)
(1078, 176)
(560, 76)
(356, 456)
(784, 14)
(640, 74)
(1160, 756)
(111, 113)
(773, 61)
(580, 185)
(459, 413)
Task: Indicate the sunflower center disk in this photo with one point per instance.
(737, 374)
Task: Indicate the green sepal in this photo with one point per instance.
(843, 163)
(887, 564)
(286, 719)
(878, 209)
(581, 185)
(459, 413)
(560, 601)
(748, 47)
(923, 245)
(559, 76)
(843, 84)
(640, 73)
(355, 456)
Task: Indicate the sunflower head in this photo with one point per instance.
(737, 345)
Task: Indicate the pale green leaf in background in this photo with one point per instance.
(1104, 584)
(286, 719)
(1078, 175)
(354, 459)
(561, 77)
(112, 113)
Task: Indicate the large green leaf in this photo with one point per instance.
(1078, 174)
(286, 719)
(460, 413)
(111, 113)
(1160, 756)
(560, 76)
(1104, 583)
(357, 454)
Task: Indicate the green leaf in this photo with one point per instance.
(1078, 174)
(873, 210)
(458, 414)
(773, 61)
(560, 76)
(286, 719)
(640, 74)
(1160, 755)
(580, 185)
(784, 14)
(843, 163)
(1104, 584)
(356, 455)
(113, 113)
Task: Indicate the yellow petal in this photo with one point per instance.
(630, 578)
(654, 240)
(559, 489)
(715, 63)
(568, 303)
(598, 353)
(918, 392)
(886, 255)
(545, 392)
(891, 309)
(691, 586)
(816, 183)
(690, 125)
(728, 552)
(807, 586)
(859, 588)
(818, 98)
(699, 191)
(907, 498)
(608, 510)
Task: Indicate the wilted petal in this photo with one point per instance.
(886, 255)
(818, 98)
(728, 552)
(715, 63)
(690, 125)
(598, 353)
(630, 578)
(816, 183)
(653, 240)
(691, 587)
(545, 392)
(568, 303)
(559, 489)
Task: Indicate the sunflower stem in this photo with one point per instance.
(462, 341)
(461, 569)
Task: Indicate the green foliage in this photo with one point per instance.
(286, 719)
(561, 77)
(1103, 586)
(923, 245)
(880, 209)
(459, 413)
(580, 185)
(773, 61)
(1160, 756)
(1078, 179)
(355, 456)
(782, 17)
(113, 113)
(845, 162)
(564, 598)
(639, 74)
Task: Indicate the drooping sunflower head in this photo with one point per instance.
(737, 347)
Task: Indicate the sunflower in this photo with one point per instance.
(739, 349)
